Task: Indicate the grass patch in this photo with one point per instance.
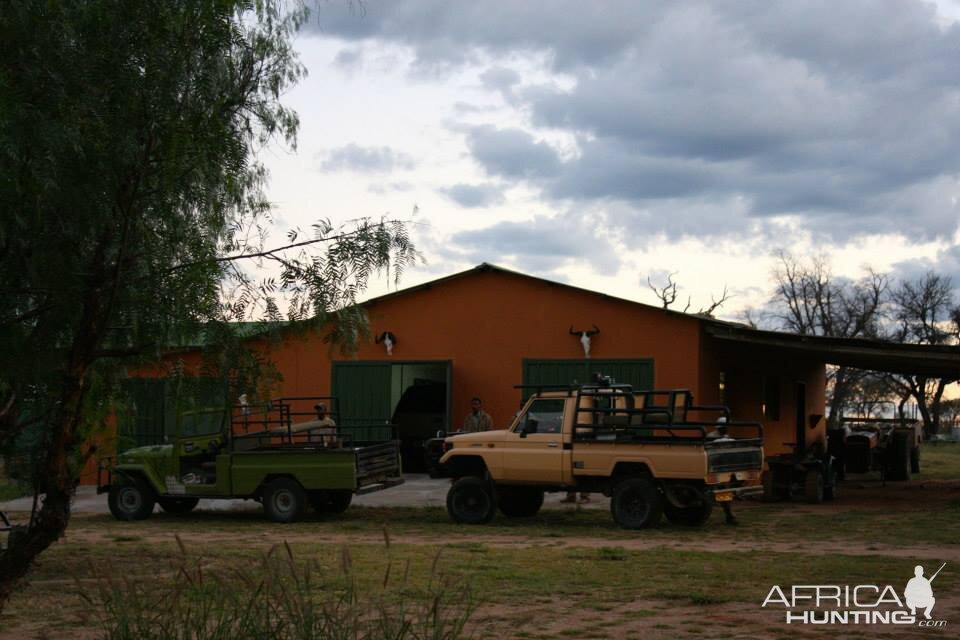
(939, 461)
(616, 554)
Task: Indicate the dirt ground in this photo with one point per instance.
(871, 529)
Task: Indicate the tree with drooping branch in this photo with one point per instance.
(134, 213)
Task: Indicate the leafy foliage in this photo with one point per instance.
(134, 212)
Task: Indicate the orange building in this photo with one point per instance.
(482, 331)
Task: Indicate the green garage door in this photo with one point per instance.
(362, 390)
(638, 373)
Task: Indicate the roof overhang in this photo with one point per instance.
(939, 361)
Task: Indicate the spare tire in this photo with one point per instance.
(689, 516)
(177, 505)
(519, 502)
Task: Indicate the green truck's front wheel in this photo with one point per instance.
(131, 501)
(284, 500)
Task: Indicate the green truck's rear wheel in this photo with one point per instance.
(284, 500)
(177, 505)
(636, 503)
(133, 500)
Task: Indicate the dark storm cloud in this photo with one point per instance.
(474, 195)
(845, 115)
(946, 263)
(353, 157)
(512, 153)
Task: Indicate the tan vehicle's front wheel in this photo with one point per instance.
(471, 501)
(636, 503)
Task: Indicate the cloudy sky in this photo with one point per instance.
(601, 143)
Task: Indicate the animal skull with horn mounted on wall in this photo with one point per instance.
(389, 341)
(585, 337)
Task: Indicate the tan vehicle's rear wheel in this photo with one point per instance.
(471, 501)
(636, 503)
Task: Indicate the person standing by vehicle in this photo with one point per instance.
(477, 419)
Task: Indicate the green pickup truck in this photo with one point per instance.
(278, 454)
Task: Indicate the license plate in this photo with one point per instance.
(727, 496)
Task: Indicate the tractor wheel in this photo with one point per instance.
(334, 502)
(471, 501)
(177, 505)
(898, 459)
(284, 500)
(688, 516)
(915, 460)
(813, 486)
(131, 501)
(831, 489)
(636, 503)
(519, 502)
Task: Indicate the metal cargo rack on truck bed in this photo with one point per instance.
(655, 416)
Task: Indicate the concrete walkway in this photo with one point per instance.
(418, 490)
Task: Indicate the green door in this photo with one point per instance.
(638, 373)
(141, 418)
(362, 390)
(150, 406)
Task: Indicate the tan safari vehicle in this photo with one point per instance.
(651, 452)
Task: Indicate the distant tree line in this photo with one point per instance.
(809, 299)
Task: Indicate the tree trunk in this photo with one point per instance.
(59, 479)
(838, 399)
(50, 521)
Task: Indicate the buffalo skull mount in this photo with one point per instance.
(585, 337)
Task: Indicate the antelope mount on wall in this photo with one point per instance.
(388, 340)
